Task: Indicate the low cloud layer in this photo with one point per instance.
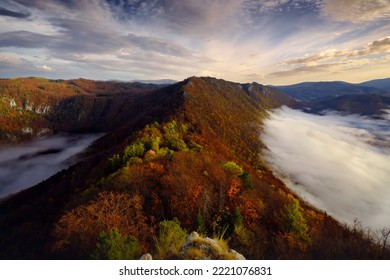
(24, 166)
(340, 164)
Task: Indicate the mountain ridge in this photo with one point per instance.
(196, 143)
(383, 84)
(319, 90)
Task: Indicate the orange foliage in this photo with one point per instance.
(233, 189)
(80, 227)
(250, 208)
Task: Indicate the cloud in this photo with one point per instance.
(332, 67)
(302, 70)
(268, 5)
(23, 166)
(185, 37)
(8, 13)
(337, 163)
(377, 47)
(356, 10)
(46, 68)
(158, 45)
(202, 18)
(25, 39)
(333, 62)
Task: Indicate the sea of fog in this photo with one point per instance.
(340, 164)
(25, 165)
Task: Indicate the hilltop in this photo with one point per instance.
(175, 159)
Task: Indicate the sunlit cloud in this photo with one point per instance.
(380, 46)
(236, 40)
(46, 68)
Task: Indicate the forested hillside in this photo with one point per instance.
(175, 159)
(31, 107)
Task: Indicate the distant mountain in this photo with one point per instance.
(174, 159)
(362, 104)
(383, 84)
(318, 90)
(156, 82)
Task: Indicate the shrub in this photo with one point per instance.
(170, 239)
(155, 144)
(113, 245)
(172, 137)
(233, 168)
(194, 146)
(294, 221)
(136, 149)
(165, 153)
(114, 163)
(173, 142)
(227, 222)
(134, 161)
(201, 224)
(247, 180)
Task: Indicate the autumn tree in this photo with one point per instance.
(78, 230)
(294, 221)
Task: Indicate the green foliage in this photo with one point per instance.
(171, 127)
(237, 217)
(201, 224)
(113, 245)
(163, 140)
(194, 146)
(170, 239)
(152, 137)
(247, 180)
(243, 235)
(165, 153)
(173, 139)
(114, 163)
(136, 149)
(233, 168)
(173, 142)
(227, 222)
(155, 143)
(134, 161)
(294, 221)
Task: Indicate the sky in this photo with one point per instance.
(275, 42)
(340, 164)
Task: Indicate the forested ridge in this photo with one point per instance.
(175, 159)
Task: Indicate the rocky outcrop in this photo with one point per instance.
(204, 248)
(198, 247)
(146, 257)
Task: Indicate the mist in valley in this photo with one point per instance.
(25, 165)
(340, 164)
